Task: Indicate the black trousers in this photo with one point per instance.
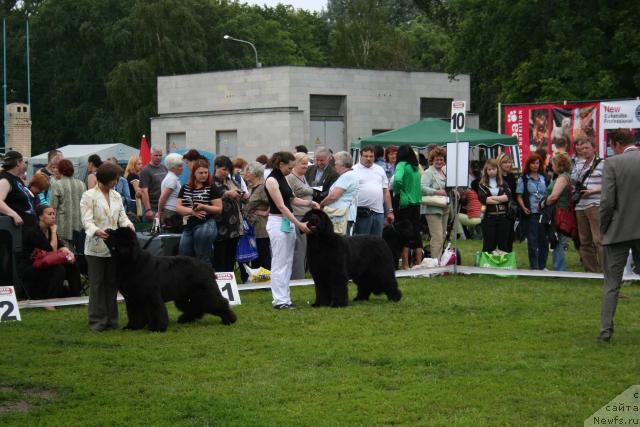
(224, 254)
(495, 233)
(411, 213)
(47, 283)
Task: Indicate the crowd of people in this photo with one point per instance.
(212, 211)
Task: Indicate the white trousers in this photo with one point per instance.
(282, 245)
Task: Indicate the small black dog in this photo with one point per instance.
(334, 259)
(398, 235)
(148, 281)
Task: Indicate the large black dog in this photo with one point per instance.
(334, 259)
(148, 281)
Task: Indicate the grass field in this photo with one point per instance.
(459, 350)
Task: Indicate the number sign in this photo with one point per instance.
(458, 118)
(228, 287)
(8, 304)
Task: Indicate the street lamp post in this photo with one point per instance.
(228, 37)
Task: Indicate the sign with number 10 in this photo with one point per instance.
(458, 111)
(228, 287)
(8, 304)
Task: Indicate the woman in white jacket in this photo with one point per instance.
(102, 209)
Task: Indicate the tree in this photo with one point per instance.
(362, 36)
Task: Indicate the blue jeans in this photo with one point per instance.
(537, 243)
(198, 241)
(558, 253)
(371, 225)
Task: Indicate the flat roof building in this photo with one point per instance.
(259, 111)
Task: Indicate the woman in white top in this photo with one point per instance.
(169, 190)
(101, 209)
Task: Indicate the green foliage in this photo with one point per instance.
(455, 351)
(524, 51)
(94, 63)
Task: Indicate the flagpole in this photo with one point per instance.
(28, 73)
(4, 81)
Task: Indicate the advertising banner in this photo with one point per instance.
(618, 114)
(541, 126)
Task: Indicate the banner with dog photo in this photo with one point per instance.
(543, 126)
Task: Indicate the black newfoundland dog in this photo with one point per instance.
(334, 259)
(148, 281)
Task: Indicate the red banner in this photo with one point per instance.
(541, 126)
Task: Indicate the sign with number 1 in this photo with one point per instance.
(228, 287)
(8, 304)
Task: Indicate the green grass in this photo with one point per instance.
(474, 350)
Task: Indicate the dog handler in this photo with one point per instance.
(102, 209)
(280, 227)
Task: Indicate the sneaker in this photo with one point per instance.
(284, 307)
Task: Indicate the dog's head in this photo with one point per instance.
(318, 222)
(400, 233)
(123, 243)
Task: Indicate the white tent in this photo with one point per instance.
(78, 154)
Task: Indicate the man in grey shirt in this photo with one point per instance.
(150, 181)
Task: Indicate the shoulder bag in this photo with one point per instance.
(41, 259)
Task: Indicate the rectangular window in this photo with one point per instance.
(176, 141)
(227, 143)
(439, 108)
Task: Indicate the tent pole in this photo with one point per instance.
(499, 117)
(455, 211)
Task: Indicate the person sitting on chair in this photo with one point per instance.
(48, 282)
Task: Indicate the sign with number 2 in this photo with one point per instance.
(8, 304)
(228, 287)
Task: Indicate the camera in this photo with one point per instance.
(577, 192)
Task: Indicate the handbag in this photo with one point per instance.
(247, 249)
(565, 222)
(44, 259)
(564, 219)
(505, 261)
(437, 201)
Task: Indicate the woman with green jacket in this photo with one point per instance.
(406, 186)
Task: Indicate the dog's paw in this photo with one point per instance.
(183, 318)
(229, 318)
(338, 304)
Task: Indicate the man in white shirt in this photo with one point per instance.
(373, 195)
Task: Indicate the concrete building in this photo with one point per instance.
(19, 128)
(263, 110)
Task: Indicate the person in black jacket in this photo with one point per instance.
(505, 163)
(48, 282)
(321, 174)
(494, 193)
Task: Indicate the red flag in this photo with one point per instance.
(145, 152)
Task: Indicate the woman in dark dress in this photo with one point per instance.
(505, 165)
(48, 282)
(229, 222)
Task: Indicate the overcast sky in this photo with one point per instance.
(316, 5)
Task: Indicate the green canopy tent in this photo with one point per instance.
(435, 131)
